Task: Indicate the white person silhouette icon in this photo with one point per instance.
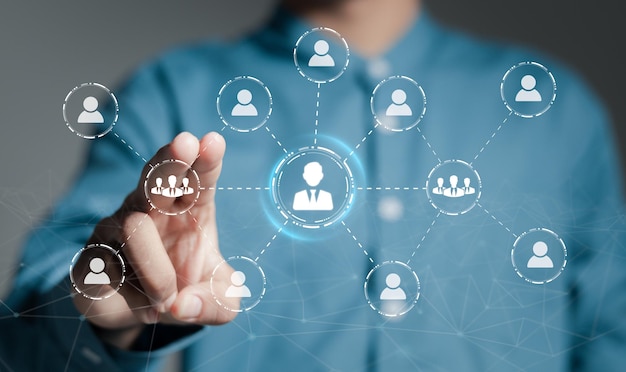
(313, 199)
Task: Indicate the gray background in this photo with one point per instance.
(48, 47)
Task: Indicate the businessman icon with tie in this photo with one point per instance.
(439, 189)
(312, 199)
(454, 191)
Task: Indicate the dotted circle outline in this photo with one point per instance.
(99, 134)
(258, 300)
(285, 211)
(223, 118)
(550, 232)
(527, 63)
(146, 187)
(115, 253)
(414, 301)
(478, 193)
(300, 70)
(381, 122)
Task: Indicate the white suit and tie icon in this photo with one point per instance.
(439, 189)
(453, 191)
(313, 199)
(467, 189)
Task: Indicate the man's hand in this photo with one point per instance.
(170, 259)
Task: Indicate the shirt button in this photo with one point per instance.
(386, 124)
(390, 208)
(90, 355)
(378, 69)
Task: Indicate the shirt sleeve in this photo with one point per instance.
(41, 329)
(598, 293)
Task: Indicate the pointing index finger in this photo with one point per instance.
(208, 165)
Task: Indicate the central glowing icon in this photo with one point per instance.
(312, 187)
(312, 199)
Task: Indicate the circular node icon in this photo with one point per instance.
(398, 103)
(392, 288)
(528, 89)
(453, 187)
(539, 256)
(312, 187)
(83, 110)
(172, 187)
(321, 55)
(238, 284)
(244, 104)
(97, 271)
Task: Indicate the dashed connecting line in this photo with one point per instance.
(363, 140)
(380, 188)
(135, 229)
(129, 147)
(492, 137)
(428, 143)
(357, 241)
(275, 139)
(317, 113)
(199, 226)
(212, 240)
(271, 240)
(205, 147)
(423, 238)
(495, 219)
(232, 188)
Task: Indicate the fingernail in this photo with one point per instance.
(190, 307)
(215, 138)
(166, 305)
(182, 134)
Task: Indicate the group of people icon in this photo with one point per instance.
(453, 191)
(529, 92)
(90, 113)
(172, 191)
(313, 199)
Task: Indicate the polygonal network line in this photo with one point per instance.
(398, 104)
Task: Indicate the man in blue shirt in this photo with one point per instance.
(396, 277)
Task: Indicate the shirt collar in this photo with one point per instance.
(406, 57)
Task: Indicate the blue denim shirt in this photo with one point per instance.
(557, 171)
